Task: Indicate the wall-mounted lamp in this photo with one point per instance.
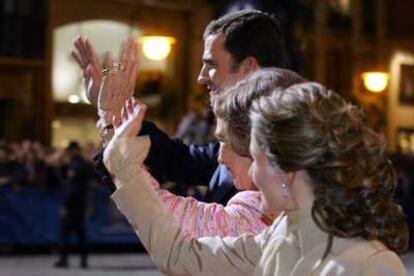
(156, 47)
(375, 82)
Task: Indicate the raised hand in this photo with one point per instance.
(128, 126)
(87, 59)
(132, 115)
(119, 83)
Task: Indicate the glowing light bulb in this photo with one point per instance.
(156, 47)
(375, 82)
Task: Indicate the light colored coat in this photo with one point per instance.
(282, 249)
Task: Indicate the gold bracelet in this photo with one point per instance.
(106, 132)
(108, 127)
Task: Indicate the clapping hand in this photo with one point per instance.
(122, 149)
(119, 80)
(87, 59)
(132, 116)
(108, 85)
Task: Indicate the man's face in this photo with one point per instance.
(218, 68)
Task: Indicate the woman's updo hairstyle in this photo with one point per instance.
(307, 127)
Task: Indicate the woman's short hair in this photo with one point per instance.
(307, 127)
(233, 103)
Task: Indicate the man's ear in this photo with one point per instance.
(248, 65)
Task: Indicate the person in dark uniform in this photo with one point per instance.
(74, 205)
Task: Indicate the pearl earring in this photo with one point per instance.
(285, 190)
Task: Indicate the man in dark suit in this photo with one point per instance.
(234, 45)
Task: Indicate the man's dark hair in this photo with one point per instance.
(251, 33)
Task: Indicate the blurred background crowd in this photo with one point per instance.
(31, 164)
(35, 184)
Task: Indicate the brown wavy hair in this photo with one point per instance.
(307, 127)
(232, 105)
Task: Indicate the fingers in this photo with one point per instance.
(130, 123)
(134, 101)
(88, 72)
(125, 55)
(78, 59)
(108, 60)
(115, 122)
(125, 48)
(133, 109)
(124, 114)
(132, 66)
(93, 57)
(134, 58)
(80, 54)
(129, 106)
(140, 110)
(85, 55)
(94, 73)
(93, 60)
(129, 54)
(129, 47)
(132, 70)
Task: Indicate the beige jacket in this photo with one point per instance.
(282, 249)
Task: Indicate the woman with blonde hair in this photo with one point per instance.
(315, 160)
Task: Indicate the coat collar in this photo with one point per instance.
(306, 238)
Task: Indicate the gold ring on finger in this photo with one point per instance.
(118, 66)
(105, 72)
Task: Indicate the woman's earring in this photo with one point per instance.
(285, 190)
